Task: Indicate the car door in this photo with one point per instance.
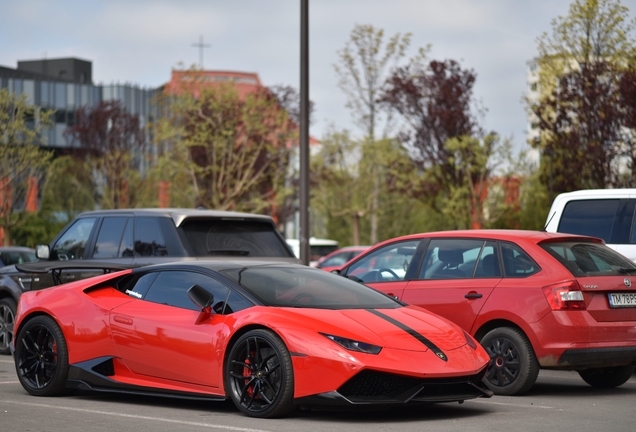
(385, 269)
(158, 335)
(113, 244)
(155, 241)
(456, 278)
(72, 244)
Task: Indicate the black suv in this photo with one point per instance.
(138, 237)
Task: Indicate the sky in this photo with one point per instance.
(141, 41)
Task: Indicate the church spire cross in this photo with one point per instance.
(201, 47)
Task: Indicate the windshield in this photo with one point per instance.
(308, 287)
(210, 237)
(589, 259)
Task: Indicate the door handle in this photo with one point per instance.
(473, 295)
(122, 319)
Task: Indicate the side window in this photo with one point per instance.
(149, 240)
(336, 260)
(386, 264)
(171, 288)
(589, 217)
(451, 259)
(516, 262)
(73, 242)
(488, 265)
(110, 237)
(235, 303)
(138, 287)
(126, 245)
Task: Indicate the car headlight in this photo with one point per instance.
(353, 345)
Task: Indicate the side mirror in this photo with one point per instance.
(200, 296)
(42, 252)
(336, 272)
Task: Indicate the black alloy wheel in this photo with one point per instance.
(607, 377)
(7, 319)
(513, 367)
(259, 377)
(41, 357)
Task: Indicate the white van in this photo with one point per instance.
(317, 248)
(604, 213)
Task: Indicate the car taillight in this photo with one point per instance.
(565, 296)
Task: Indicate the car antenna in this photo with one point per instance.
(545, 228)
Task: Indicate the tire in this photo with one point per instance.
(513, 367)
(41, 357)
(607, 377)
(259, 377)
(7, 320)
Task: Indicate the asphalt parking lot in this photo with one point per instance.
(559, 401)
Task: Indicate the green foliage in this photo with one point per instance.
(344, 174)
(364, 65)
(535, 203)
(20, 155)
(593, 30)
(582, 114)
(68, 189)
(225, 151)
(35, 228)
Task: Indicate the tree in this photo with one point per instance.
(234, 150)
(593, 30)
(288, 98)
(582, 129)
(339, 190)
(114, 140)
(21, 158)
(364, 64)
(435, 103)
(342, 188)
(68, 188)
(486, 194)
(581, 113)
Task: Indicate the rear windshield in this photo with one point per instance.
(209, 237)
(307, 287)
(589, 259)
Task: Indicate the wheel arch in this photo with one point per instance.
(496, 323)
(230, 343)
(7, 293)
(32, 315)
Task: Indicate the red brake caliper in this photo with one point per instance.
(247, 372)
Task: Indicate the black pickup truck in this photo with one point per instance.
(136, 237)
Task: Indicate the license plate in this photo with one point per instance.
(621, 300)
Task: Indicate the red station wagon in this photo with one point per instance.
(533, 299)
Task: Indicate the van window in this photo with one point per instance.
(589, 217)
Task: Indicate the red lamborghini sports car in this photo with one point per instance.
(269, 336)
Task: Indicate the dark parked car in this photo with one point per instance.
(138, 237)
(10, 255)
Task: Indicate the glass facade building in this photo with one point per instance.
(64, 85)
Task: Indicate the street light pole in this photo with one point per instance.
(304, 132)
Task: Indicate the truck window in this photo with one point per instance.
(589, 217)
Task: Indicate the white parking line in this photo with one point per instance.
(9, 382)
(7, 361)
(138, 417)
(508, 404)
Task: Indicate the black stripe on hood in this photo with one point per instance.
(430, 345)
